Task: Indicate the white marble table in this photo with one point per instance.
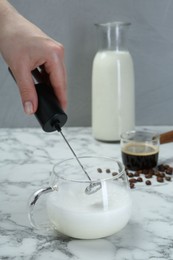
(26, 160)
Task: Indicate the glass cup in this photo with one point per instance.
(74, 212)
(140, 149)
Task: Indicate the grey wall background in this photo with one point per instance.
(71, 22)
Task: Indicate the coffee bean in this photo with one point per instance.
(161, 168)
(169, 171)
(139, 179)
(99, 170)
(160, 179)
(162, 174)
(132, 185)
(167, 178)
(166, 166)
(136, 174)
(114, 173)
(157, 173)
(130, 174)
(132, 180)
(148, 182)
(108, 171)
(148, 176)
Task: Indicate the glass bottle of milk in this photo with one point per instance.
(113, 99)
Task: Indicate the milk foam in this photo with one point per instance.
(79, 215)
(140, 149)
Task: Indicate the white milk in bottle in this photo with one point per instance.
(113, 99)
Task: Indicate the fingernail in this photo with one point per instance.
(28, 107)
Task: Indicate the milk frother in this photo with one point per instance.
(51, 116)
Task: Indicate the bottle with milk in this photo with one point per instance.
(113, 101)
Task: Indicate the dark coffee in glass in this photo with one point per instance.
(139, 156)
(140, 150)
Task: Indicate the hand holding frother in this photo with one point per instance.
(51, 117)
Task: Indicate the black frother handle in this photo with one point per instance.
(49, 112)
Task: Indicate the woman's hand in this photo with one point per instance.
(25, 47)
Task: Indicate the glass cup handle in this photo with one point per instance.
(32, 202)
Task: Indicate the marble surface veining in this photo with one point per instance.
(26, 160)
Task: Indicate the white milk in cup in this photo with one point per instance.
(73, 212)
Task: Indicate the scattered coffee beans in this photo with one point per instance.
(160, 174)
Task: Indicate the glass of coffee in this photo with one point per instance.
(140, 149)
